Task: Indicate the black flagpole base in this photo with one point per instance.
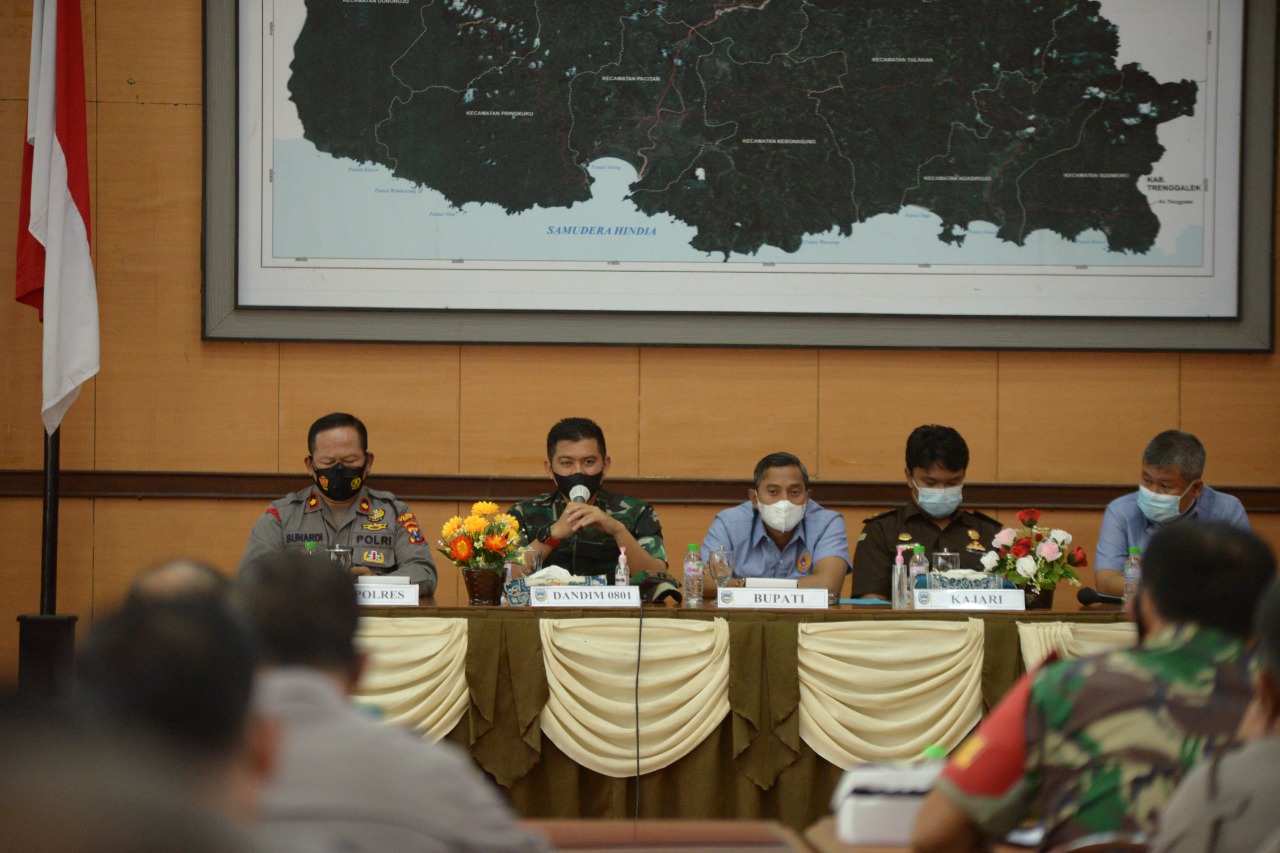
(46, 651)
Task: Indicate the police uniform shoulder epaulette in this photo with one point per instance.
(381, 494)
(879, 515)
(293, 498)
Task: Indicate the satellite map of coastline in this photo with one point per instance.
(757, 123)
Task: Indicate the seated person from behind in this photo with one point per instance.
(1170, 488)
(1097, 744)
(780, 532)
(937, 458)
(340, 510)
(1228, 801)
(586, 537)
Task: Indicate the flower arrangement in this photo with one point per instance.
(484, 539)
(1034, 557)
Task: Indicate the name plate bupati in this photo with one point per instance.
(773, 599)
(970, 599)
(584, 596)
(387, 595)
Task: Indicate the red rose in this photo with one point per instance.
(1020, 550)
(1026, 542)
(1039, 536)
(1029, 516)
(1077, 557)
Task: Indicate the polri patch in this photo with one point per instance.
(376, 557)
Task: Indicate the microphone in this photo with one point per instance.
(579, 494)
(1089, 595)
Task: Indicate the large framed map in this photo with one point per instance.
(990, 173)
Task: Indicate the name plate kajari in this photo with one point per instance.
(970, 599)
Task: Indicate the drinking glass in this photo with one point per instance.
(720, 564)
(946, 561)
(340, 557)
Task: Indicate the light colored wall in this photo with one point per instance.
(167, 401)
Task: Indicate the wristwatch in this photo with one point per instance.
(544, 536)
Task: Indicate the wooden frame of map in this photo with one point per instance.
(767, 268)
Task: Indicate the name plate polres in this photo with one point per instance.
(387, 595)
(584, 596)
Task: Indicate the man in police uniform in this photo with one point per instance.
(339, 511)
(586, 537)
(937, 458)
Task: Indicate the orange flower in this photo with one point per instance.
(495, 542)
(461, 548)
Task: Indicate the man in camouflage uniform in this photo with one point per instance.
(937, 459)
(1096, 745)
(586, 537)
(340, 510)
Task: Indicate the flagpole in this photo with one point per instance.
(49, 536)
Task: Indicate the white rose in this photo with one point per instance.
(1062, 537)
(990, 560)
(1026, 567)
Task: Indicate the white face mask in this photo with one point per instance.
(939, 503)
(1159, 507)
(782, 516)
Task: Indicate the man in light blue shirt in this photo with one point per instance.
(780, 532)
(1171, 488)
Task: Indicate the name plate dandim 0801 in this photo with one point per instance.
(584, 596)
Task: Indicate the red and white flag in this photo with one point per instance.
(55, 272)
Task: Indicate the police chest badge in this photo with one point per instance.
(975, 544)
(805, 563)
(904, 537)
(376, 558)
(375, 525)
(377, 515)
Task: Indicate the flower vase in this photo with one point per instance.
(1042, 600)
(484, 585)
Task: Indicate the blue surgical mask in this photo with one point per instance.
(1158, 507)
(938, 503)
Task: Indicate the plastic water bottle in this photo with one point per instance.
(693, 577)
(1132, 574)
(902, 598)
(919, 566)
(622, 574)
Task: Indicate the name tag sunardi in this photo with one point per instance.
(970, 599)
(772, 599)
(584, 596)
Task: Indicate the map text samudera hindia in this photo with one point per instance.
(755, 122)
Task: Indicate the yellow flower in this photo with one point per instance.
(474, 524)
(451, 527)
(484, 508)
(508, 521)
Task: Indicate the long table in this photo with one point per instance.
(752, 765)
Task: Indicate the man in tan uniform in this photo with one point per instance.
(937, 458)
(339, 511)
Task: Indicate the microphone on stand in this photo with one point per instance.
(1089, 595)
(579, 494)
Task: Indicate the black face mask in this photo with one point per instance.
(340, 483)
(591, 481)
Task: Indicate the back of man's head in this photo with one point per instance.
(302, 612)
(1207, 573)
(179, 579)
(180, 671)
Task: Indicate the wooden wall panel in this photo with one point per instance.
(871, 400)
(1082, 417)
(406, 396)
(716, 412)
(505, 433)
(150, 52)
(20, 522)
(15, 49)
(1230, 403)
(166, 400)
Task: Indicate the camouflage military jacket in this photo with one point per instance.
(591, 552)
(381, 532)
(1098, 744)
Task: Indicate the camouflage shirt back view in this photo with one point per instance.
(590, 552)
(1098, 744)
